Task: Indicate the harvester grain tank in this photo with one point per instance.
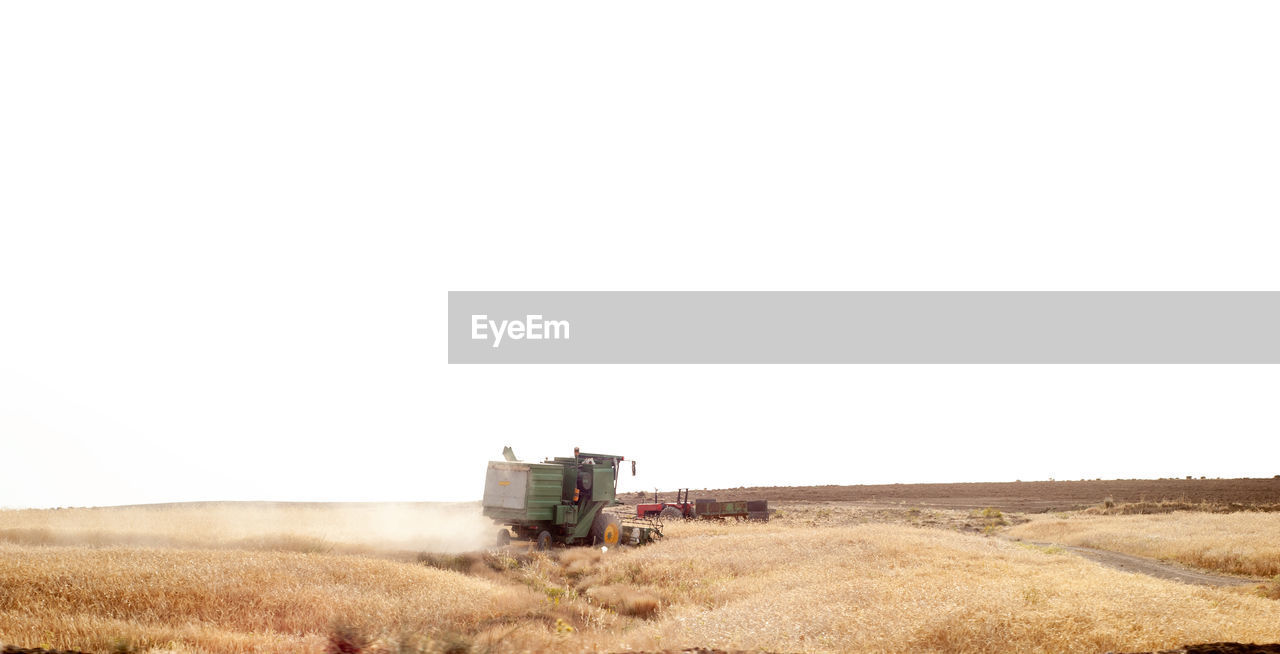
(561, 500)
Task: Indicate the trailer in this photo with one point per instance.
(744, 509)
(708, 509)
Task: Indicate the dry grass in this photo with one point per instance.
(1244, 543)
(782, 586)
(230, 601)
(889, 587)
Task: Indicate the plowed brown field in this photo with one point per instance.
(1024, 496)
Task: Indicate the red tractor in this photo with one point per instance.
(681, 508)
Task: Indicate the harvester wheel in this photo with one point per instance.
(544, 540)
(671, 513)
(604, 530)
(504, 538)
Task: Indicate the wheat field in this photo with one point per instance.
(1242, 543)
(788, 585)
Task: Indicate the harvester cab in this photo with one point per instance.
(560, 500)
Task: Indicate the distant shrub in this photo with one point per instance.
(992, 519)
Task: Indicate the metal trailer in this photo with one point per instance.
(749, 509)
(560, 500)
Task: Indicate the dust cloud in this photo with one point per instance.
(304, 527)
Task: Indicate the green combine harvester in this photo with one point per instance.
(561, 500)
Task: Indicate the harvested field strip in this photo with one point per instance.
(1233, 543)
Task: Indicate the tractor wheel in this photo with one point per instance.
(671, 513)
(604, 530)
(504, 538)
(544, 541)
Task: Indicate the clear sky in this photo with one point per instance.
(227, 233)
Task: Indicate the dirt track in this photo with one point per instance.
(1023, 496)
(1151, 567)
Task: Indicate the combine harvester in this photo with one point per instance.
(561, 500)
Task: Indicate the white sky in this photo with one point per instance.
(227, 232)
